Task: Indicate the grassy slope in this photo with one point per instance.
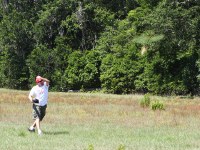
(78, 121)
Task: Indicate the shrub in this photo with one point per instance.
(118, 74)
(157, 105)
(121, 147)
(90, 147)
(145, 102)
(22, 134)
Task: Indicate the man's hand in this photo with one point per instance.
(35, 101)
(46, 80)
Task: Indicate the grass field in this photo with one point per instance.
(86, 121)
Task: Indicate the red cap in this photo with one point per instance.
(38, 79)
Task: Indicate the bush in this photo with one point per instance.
(157, 105)
(83, 70)
(145, 102)
(121, 147)
(90, 147)
(118, 74)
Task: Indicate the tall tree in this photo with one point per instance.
(171, 63)
(16, 44)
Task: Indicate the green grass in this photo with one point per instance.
(102, 136)
(83, 121)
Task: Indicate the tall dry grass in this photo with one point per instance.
(75, 108)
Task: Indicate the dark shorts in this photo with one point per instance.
(39, 111)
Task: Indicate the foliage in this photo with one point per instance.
(145, 102)
(83, 70)
(157, 105)
(167, 62)
(121, 147)
(119, 71)
(59, 60)
(119, 46)
(15, 45)
(40, 65)
(90, 147)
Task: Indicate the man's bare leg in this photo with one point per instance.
(33, 125)
(36, 123)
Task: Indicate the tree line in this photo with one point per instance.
(119, 46)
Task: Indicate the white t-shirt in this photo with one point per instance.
(40, 93)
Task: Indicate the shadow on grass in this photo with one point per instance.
(55, 132)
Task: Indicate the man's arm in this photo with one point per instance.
(45, 80)
(30, 98)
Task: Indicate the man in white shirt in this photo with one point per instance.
(39, 97)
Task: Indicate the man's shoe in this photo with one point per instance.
(31, 130)
(39, 132)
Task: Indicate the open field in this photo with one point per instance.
(85, 121)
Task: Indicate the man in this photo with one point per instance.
(39, 97)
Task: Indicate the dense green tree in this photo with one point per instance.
(119, 7)
(149, 3)
(60, 55)
(119, 74)
(83, 70)
(16, 43)
(76, 63)
(91, 75)
(119, 66)
(171, 63)
(120, 46)
(40, 62)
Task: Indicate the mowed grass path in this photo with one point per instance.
(85, 121)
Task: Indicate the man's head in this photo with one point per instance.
(39, 80)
